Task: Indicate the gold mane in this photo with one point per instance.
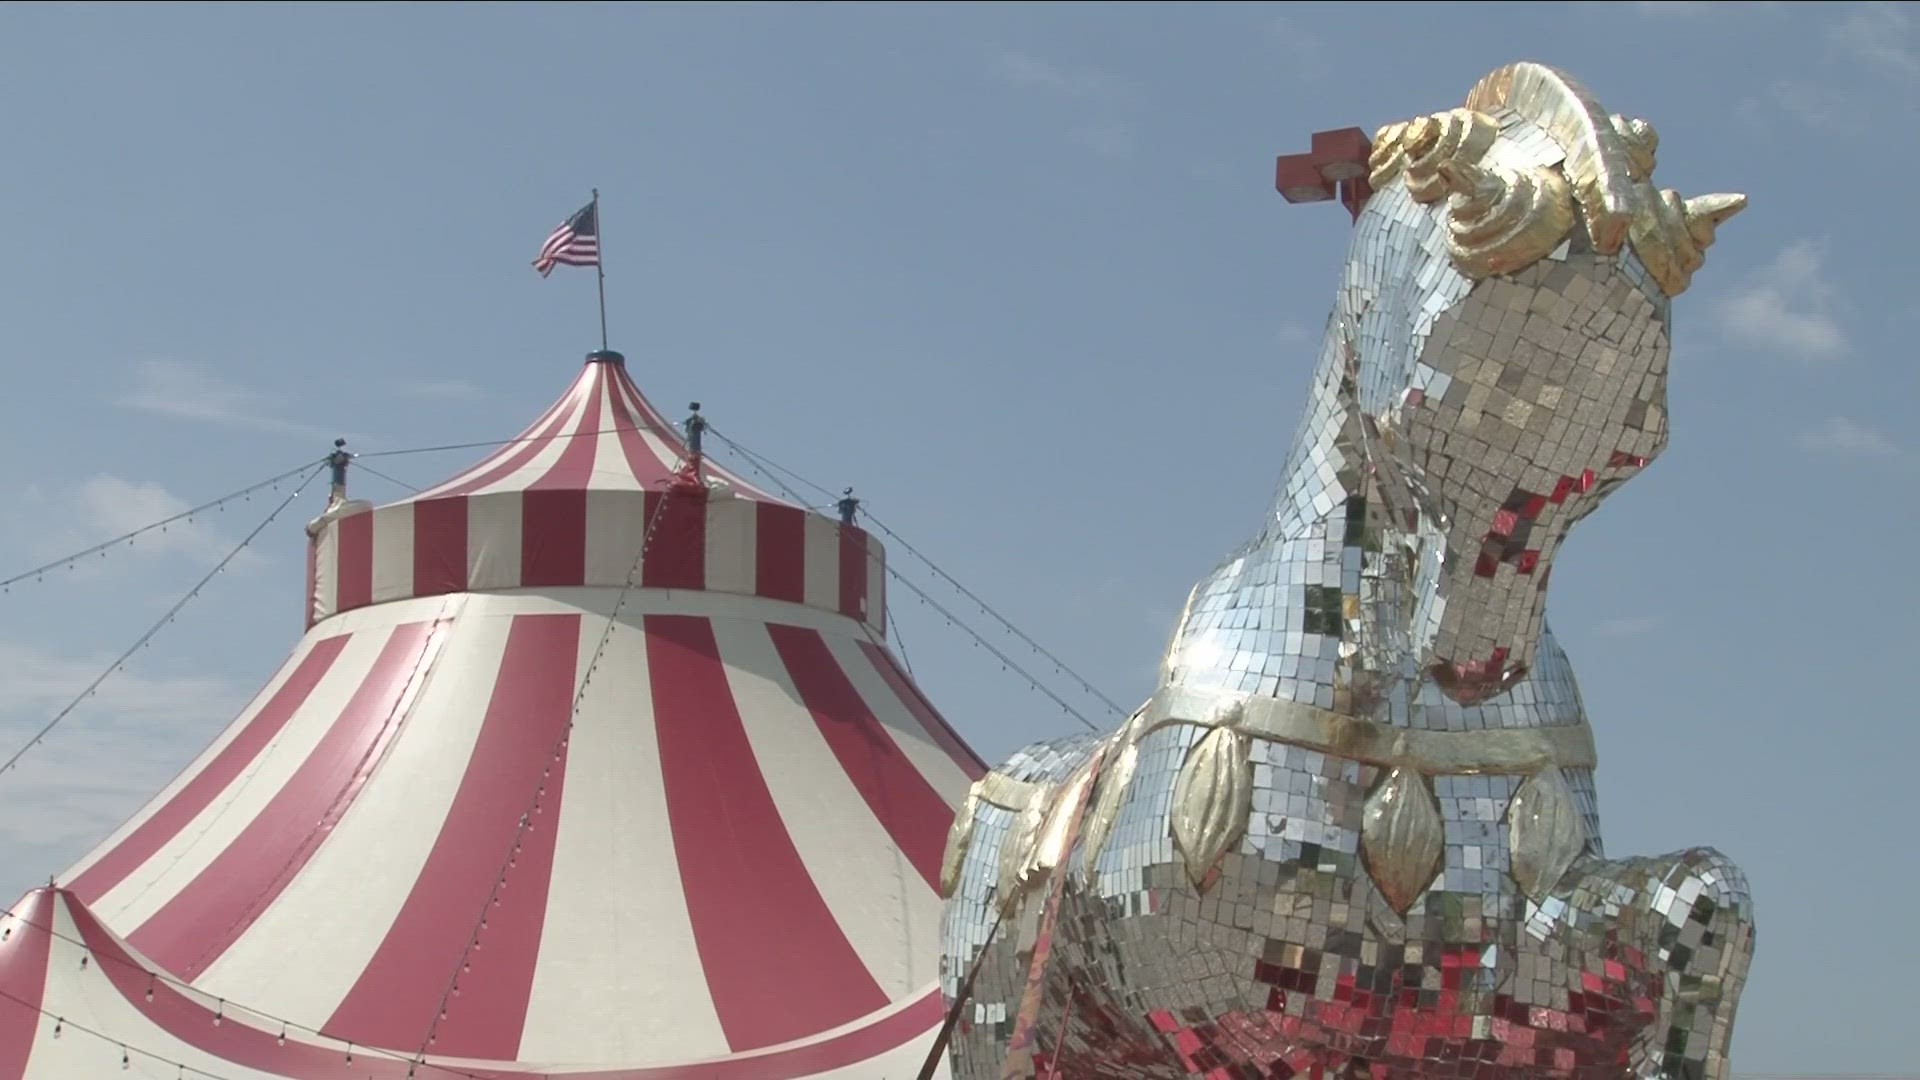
(1503, 218)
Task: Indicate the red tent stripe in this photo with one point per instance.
(187, 803)
(243, 1045)
(648, 471)
(642, 412)
(392, 1003)
(574, 467)
(553, 515)
(913, 813)
(553, 538)
(778, 965)
(23, 978)
(202, 920)
(235, 1041)
(676, 557)
(522, 451)
(500, 454)
(937, 727)
(780, 552)
(355, 563)
(439, 546)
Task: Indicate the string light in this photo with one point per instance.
(6, 584)
(156, 627)
(762, 466)
(463, 964)
(286, 1026)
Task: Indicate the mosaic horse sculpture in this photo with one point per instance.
(1354, 830)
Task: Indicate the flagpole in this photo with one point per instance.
(600, 266)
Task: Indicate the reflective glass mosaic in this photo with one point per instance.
(1355, 831)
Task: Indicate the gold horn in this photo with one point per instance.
(1671, 234)
(1706, 213)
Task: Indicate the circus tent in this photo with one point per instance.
(593, 761)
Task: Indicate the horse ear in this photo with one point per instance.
(1706, 213)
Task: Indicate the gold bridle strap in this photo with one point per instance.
(1498, 750)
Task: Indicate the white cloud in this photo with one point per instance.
(1110, 138)
(1293, 336)
(1826, 108)
(1673, 7)
(1303, 51)
(1879, 37)
(1851, 438)
(440, 391)
(1690, 8)
(1624, 627)
(59, 520)
(1114, 139)
(106, 759)
(1030, 72)
(35, 680)
(1787, 306)
(189, 391)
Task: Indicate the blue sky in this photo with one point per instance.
(1019, 275)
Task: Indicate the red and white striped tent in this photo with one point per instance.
(501, 813)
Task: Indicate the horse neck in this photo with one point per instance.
(1258, 611)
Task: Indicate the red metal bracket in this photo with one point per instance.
(1334, 167)
(691, 477)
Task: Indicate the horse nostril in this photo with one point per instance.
(1475, 682)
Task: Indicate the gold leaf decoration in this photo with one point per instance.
(1114, 781)
(959, 839)
(1598, 161)
(1671, 234)
(1502, 220)
(1016, 853)
(1421, 146)
(1054, 839)
(1544, 832)
(1402, 838)
(1211, 799)
(1642, 143)
(1457, 137)
(1602, 179)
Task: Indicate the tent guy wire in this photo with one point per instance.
(184, 515)
(1059, 664)
(926, 598)
(164, 619)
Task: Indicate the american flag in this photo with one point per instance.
(576, 242)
